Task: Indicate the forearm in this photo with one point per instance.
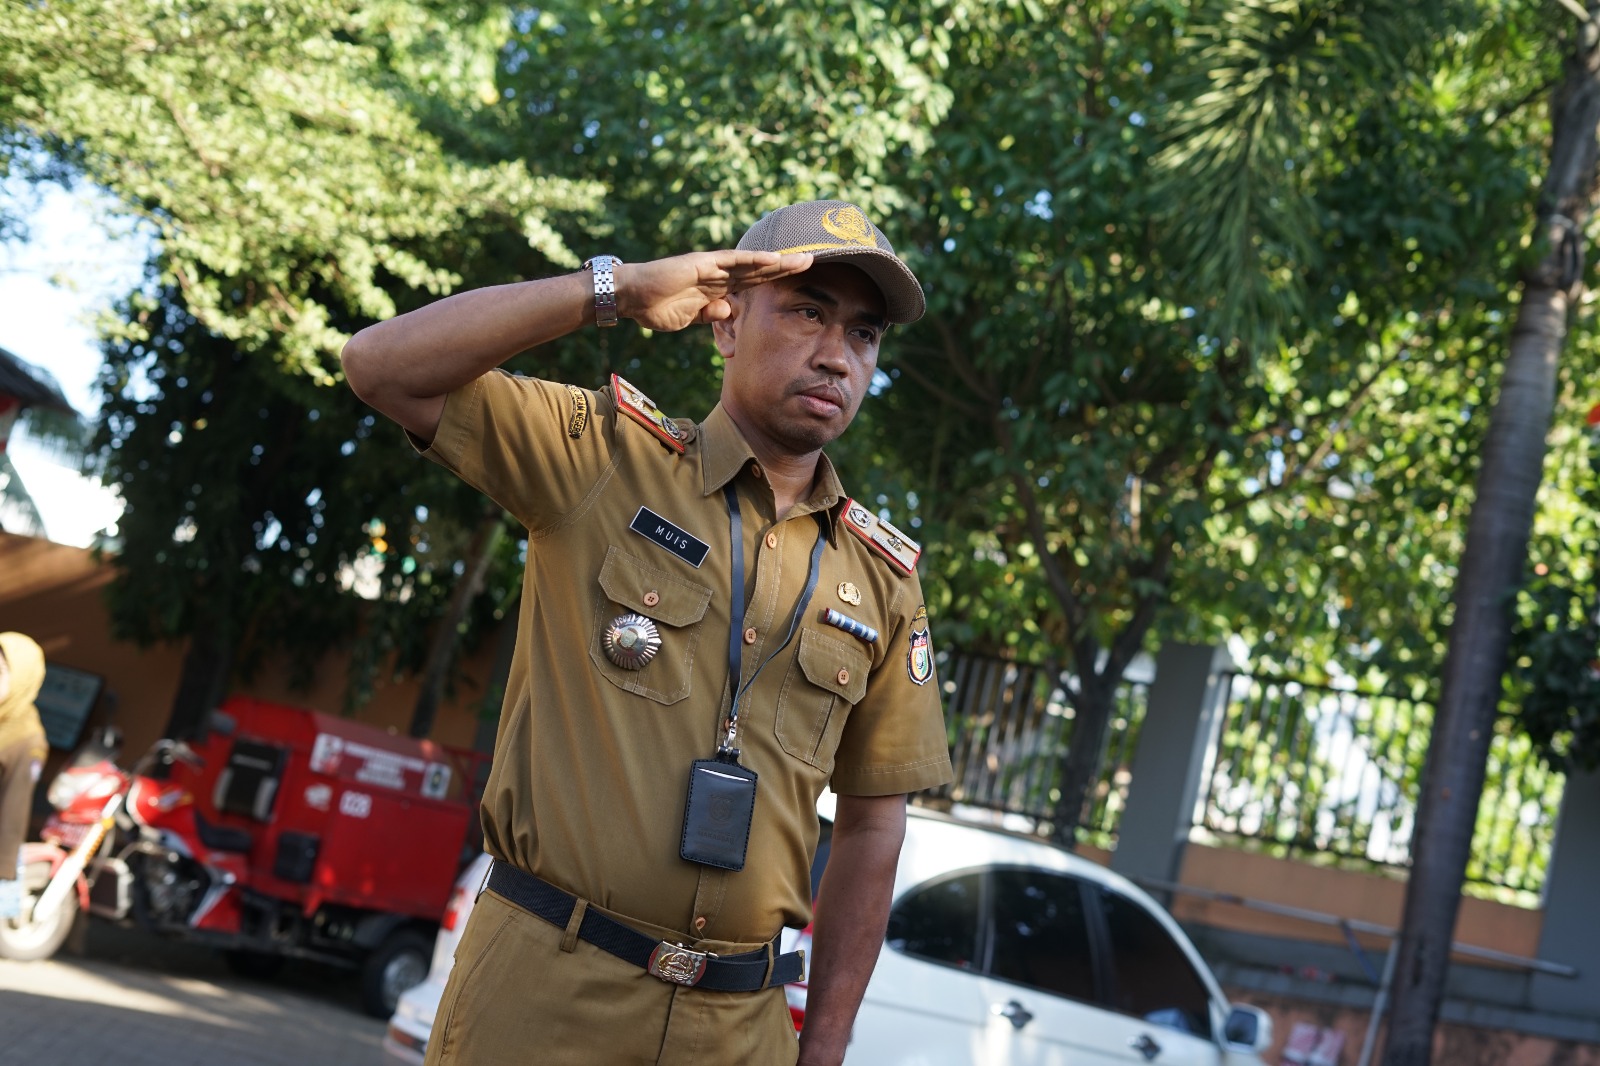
(852, 913)
(407, 365)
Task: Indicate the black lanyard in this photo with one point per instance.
(735, 630)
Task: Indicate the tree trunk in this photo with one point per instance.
(1091, 724)
(207, 667)
(1492, 565)
(494, 697)
(442, 652)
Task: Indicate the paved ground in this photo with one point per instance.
(128, 999)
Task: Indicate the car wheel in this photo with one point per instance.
(399, 963)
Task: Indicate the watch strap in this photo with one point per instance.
(602, 268)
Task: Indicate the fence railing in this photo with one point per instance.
(1010, 725)
(1302, 769)
(1313, 769)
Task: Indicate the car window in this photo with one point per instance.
(1152, 976)
(1041, 937)
(939, 921)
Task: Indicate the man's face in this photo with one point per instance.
(799, 354)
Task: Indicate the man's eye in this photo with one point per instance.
(810, 312)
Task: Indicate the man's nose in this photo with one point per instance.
(831, 351)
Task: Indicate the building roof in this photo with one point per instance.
(30, 384)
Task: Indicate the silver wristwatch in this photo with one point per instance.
(605, 288)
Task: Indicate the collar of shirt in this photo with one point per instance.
(724, 452)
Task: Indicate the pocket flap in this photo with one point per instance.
(834, 665)
(629, 581)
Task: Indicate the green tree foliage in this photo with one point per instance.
(1556, 648)
(299, 162)
(1215, 293)
(264, 511)
(305, 167)
(1549, 285)
(700, 116)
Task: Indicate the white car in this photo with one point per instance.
(407, 1037)
(1001, 951)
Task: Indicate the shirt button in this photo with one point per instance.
(652, 598)
(699, 924)
(844, 677)
(755, 468)
(772, 540)
(750, 635)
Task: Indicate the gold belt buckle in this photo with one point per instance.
(678, 964)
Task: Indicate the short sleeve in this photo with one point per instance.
(894, 740)
(534, 447)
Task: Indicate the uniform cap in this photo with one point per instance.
(833, 230)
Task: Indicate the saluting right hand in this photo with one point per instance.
(673, 294)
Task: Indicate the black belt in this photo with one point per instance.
(670, 962)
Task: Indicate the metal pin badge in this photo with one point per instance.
(849, 593)
(850, 625)
(631, 641)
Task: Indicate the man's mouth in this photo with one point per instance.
(825, 400)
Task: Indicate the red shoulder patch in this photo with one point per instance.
(901, 551)
(639, 407)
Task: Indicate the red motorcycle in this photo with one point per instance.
(120, 843)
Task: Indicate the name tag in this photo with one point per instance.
(658, 530)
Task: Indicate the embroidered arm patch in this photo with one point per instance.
(580, 412)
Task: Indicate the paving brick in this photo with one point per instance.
(131, 1000)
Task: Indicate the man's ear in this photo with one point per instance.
(724, 330)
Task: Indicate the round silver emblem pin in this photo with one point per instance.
(631, 641)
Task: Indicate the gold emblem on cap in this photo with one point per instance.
(849, 224)
(849, 594)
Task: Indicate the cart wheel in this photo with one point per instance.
(25, 940)
(257, 965)
(399, 963)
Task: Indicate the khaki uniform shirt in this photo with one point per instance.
(592, 760)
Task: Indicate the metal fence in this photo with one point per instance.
(1314, 769)
(1009, 727)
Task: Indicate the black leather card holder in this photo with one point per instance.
(716, 817)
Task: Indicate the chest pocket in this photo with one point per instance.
(828, 677)
(675, 604)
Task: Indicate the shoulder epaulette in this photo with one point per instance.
(639, 407)
(901, 551)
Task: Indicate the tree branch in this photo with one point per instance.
(213, 168)
(1127, 643)
(972, 411)
(1340, 423)
(956, 353)
(1055, 576)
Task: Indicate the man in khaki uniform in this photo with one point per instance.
(700, 600)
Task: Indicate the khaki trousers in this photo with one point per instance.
(523, 993)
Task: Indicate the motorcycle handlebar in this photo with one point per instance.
(168, 751)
